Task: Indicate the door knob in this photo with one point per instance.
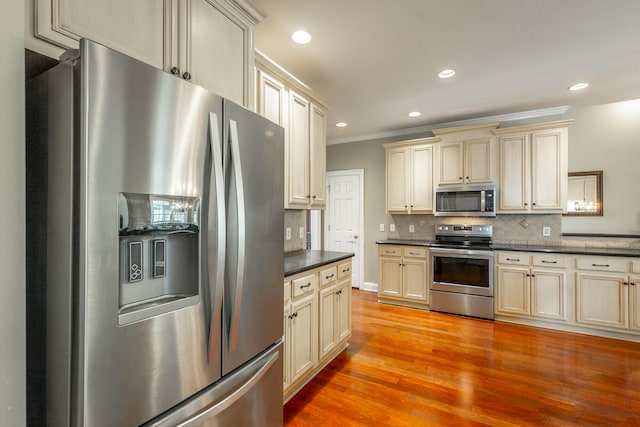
(355, 236)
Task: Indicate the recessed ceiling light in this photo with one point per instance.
(414, 114)
(301, 37)
(341, 124)
(578, 86)
(445, 74)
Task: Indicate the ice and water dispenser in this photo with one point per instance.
(159, 254)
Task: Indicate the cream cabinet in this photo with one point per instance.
(531, 285)
(533, 168)
(409, 177)
(465, 162)
(335, 309)
(185, 37)
(317, 322)
(402, 274)
(607, 293)
(304, 119)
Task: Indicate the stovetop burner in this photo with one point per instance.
(464, 236)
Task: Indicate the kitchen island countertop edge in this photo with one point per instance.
(303, 260)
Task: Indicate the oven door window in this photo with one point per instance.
(462, 271)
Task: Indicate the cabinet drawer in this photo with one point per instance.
(513, 258)
(305, 285)
(287, 291)
(414, 252)
(549, 260)
(328, 275)
(602, 264)
(635, 266)
(344, 270)
(390, 250)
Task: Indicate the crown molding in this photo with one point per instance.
(421, 130)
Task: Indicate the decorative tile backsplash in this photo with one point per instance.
(507, 229)
(294, 219)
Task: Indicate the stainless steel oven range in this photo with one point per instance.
(461, 279)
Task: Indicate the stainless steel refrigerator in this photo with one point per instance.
(155, 256)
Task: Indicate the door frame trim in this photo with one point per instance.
(338, 173)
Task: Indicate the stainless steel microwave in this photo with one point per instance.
(466, 200)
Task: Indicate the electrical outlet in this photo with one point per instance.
(301, 232)
(412, 228)
(381, 227)
(288, 233)
(392, 228)
(546, 231)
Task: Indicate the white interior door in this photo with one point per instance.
(344, 217)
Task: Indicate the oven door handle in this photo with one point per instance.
(464, 253)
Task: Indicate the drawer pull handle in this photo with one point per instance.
(389, 252)
(625, 283)
(513, 259)
(549, 262)
(632, 283)
(600, 265)
(305, 286)
(414, 253)
(346, 270)
(329, 276)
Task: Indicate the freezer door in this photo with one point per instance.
(142, 132)
(254, 175)
(250, 397)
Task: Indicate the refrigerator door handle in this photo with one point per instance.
(237, 172)
(216, 264)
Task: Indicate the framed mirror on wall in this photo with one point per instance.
(584, 196)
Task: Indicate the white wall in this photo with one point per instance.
(607, 137)
(12, 217)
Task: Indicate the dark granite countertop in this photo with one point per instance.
(569, 250)
(299, 261)
(572, 250)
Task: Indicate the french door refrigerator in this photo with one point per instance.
(155, 218)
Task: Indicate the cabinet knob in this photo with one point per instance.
(175, 71)
(468, 179)
(314, 197)
(459, 177)
(186, 76)
(526, 204)
(534, 203)
(625, 283)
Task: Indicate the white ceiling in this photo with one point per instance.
(374, 61)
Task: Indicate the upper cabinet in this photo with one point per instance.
(465, 155)
(533, 167)
(281, 98)
(409, 176)
(209, 42)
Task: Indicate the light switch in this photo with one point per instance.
(301, 233)
(381, 227)
(392, 228)
(412, 228)
(288, 233)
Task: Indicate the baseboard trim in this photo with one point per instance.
(369, 286)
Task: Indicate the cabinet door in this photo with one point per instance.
(634, 303)
(328, 315)
(414, 280)
(548, 294)
(451, 157)
(297, 151)
(397, 180)
(546, 177)
(318, 160)
(514, 172)
(601, 300)
(272, 99)
(344, 310)
(304, 336)
(213, 46)
(286, 351)
(478, 161)
(390, 277)
(421, 178)
(512, 293)
(138, 29)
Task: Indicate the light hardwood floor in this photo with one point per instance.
(408, 367)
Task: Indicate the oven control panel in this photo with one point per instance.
(482, 230)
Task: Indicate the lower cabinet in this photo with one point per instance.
(317, 322)
(531, 285)
(403, 272)
(607, 294)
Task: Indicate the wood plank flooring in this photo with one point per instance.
(408, 367)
